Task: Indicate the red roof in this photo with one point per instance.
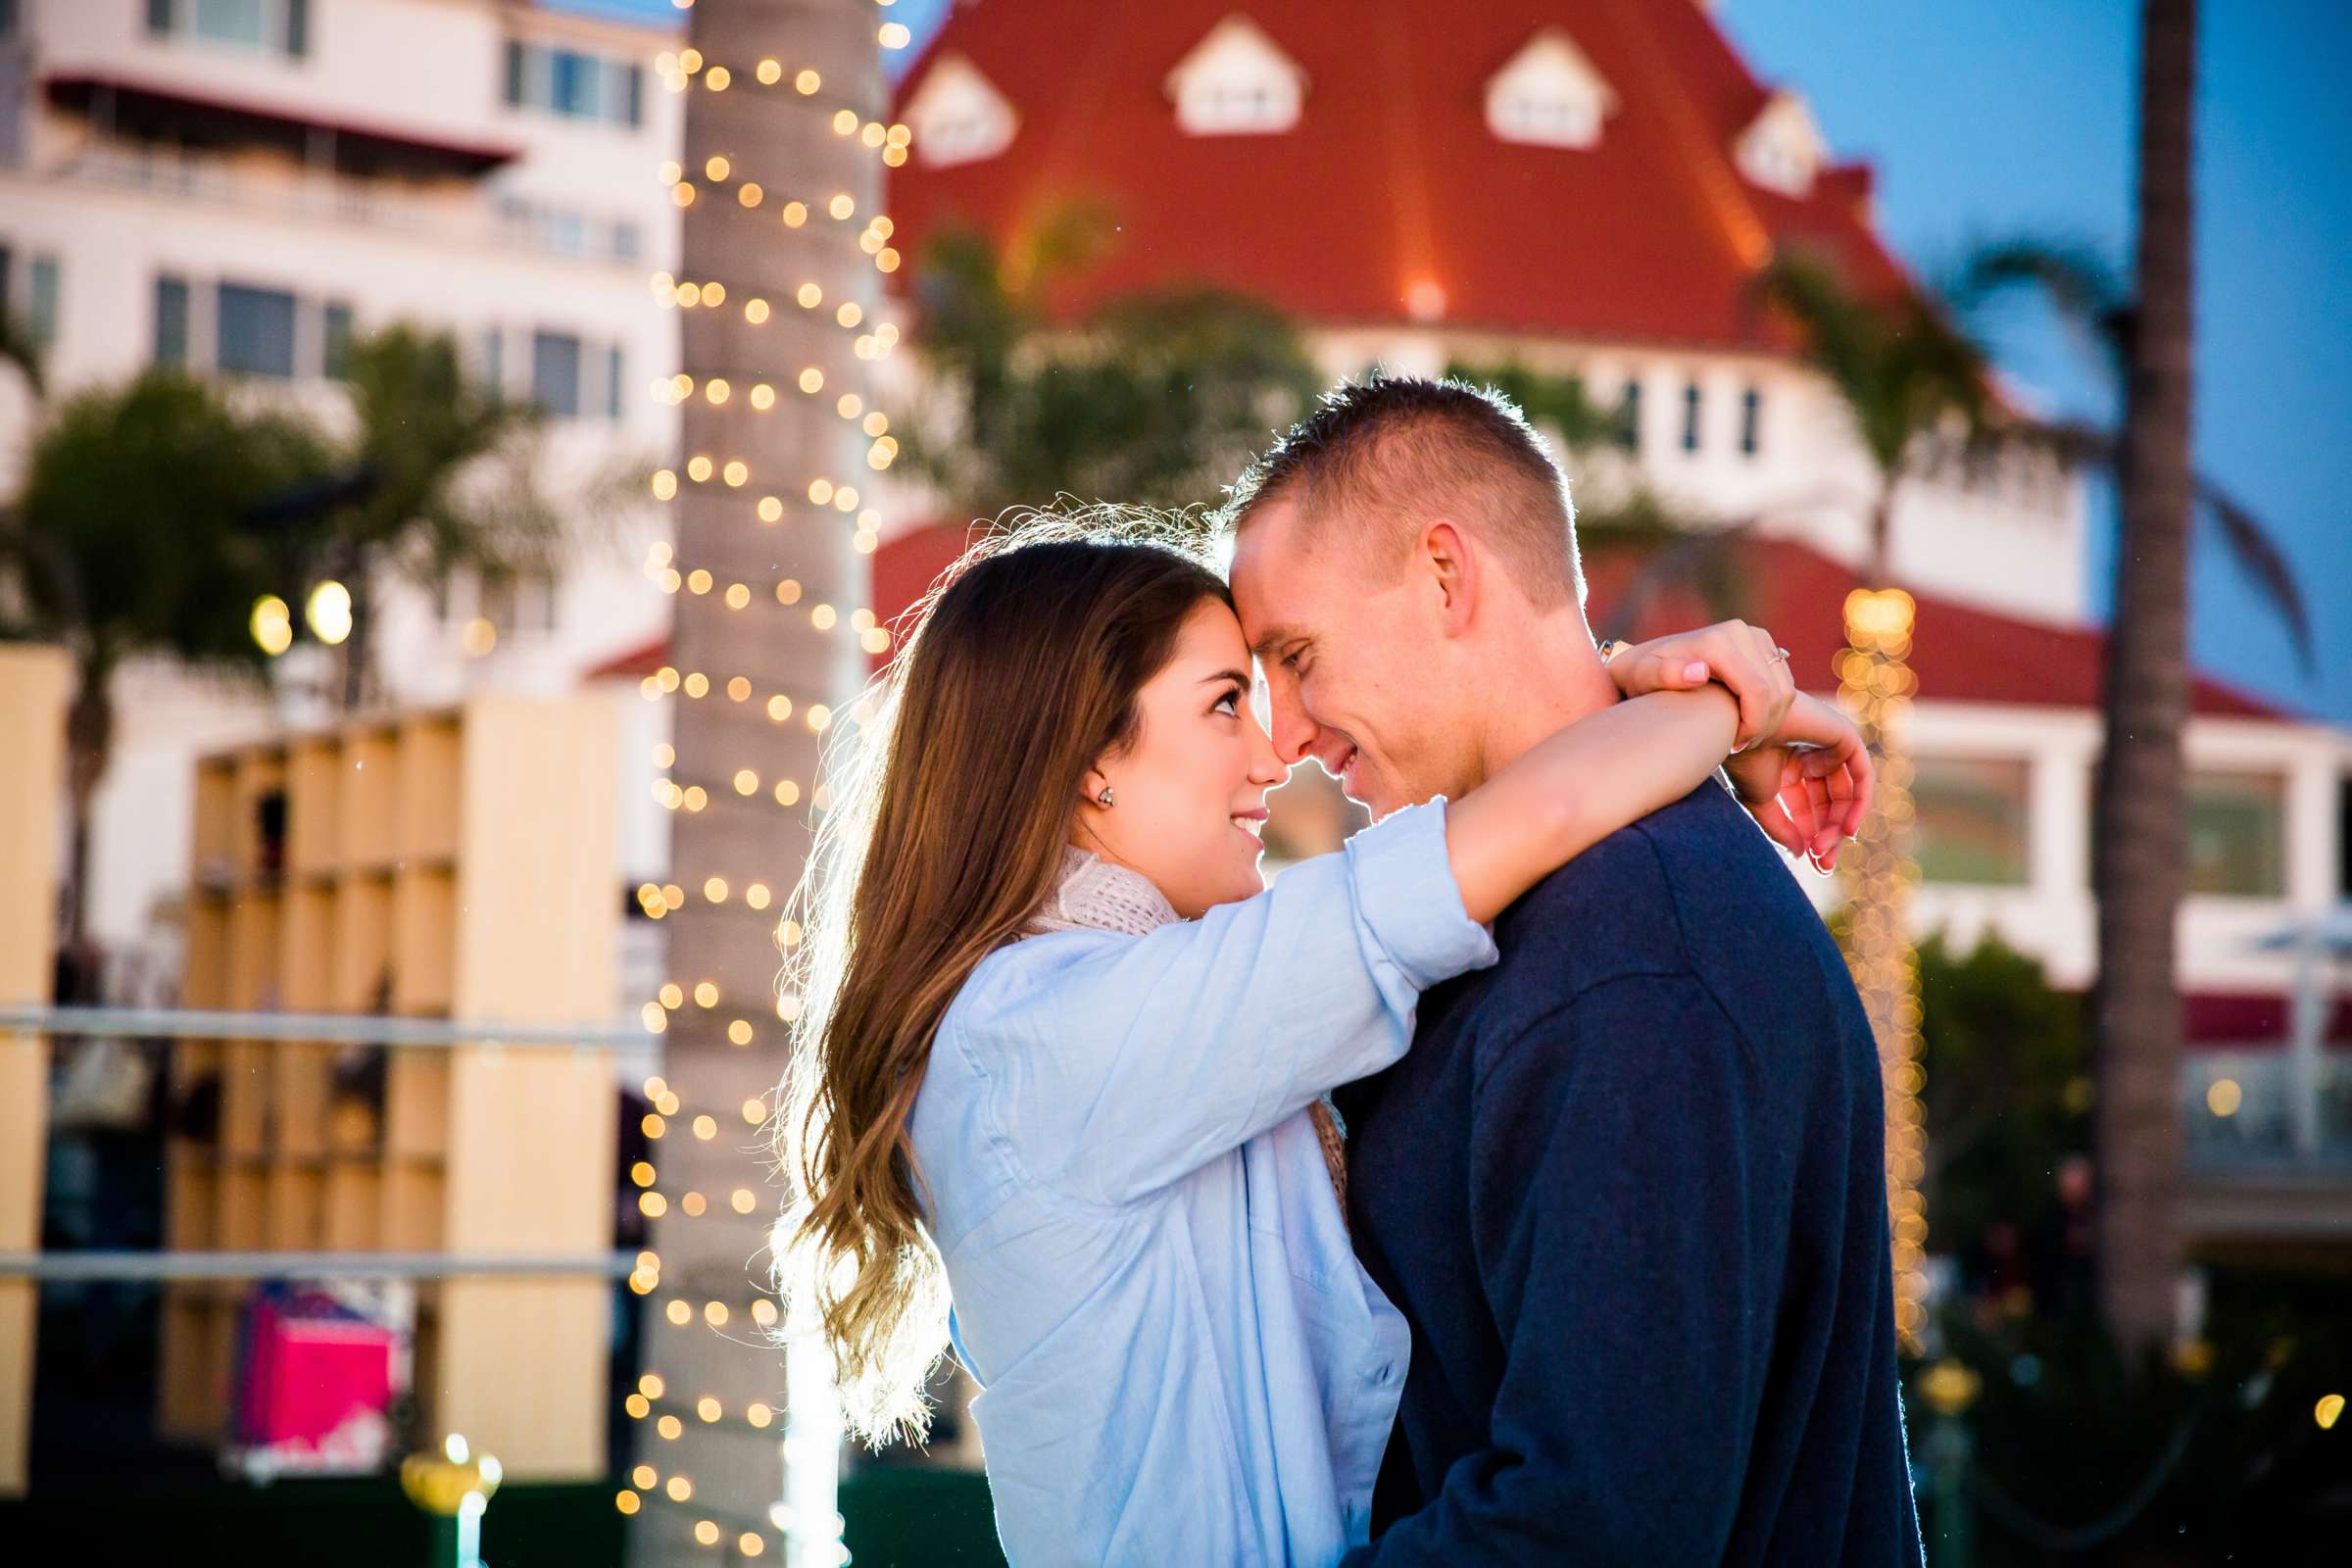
(1960, 653)
(1392, 177)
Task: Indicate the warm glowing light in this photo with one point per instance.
(871, 133)
(2329, 1412)
(272, 624)
(850, 313)
(716, 169)
(698, 468)
(644, 1475)
(692, 1204)
(478, 638)
(759, 1415)
(755, 1112)
(820, 491)
(716, 390)
(848, 405)
(706, 1532)
(716, 79)
(769, 72)
(794, 213)
(750, 1544)
(755, 311)
(328, 613)
(807, 81)
(714, 293)
(706, 1128)
(1425, 299)
(763, 396)
(770, 509)
(653, 1126)
(654, 1204)
(887, 260)
(845, 122)
(893, 156)
(735, 473)
(842, 205)
(822, 618)
(779, 708)
(641, 1174)
(682, 193)
(819, 716)
(716, 889)
(707, 1408)
(690, 61)
(750, 195)
(893, 35)
(810, 296)
(679, 1488)
(714, 1313)
(876, 423)
(665, 484)
(742, 1200)
(813, 380)
(626, 1502)
(738, 596)
(786, 792)
(697, 683)
(2223, 1096)
(706, 994)
(788, 592)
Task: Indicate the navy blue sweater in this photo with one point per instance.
(1628, 1190)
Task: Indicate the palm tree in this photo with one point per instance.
(721, 1056)
(2139, 819)
(2087, 293)
(1907, 378)
(130, 538)
(1156, 398)
(439, 475)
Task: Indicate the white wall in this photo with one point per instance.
(437, 253)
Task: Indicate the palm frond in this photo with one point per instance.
(2089, 296)
(2257, 555)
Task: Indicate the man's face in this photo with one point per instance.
(1357, 668)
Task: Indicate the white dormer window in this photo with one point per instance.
(958, 116)
(1548, 95)
(1782, 149)
(1236, 82)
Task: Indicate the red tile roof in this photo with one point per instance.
(1392, 177)
(1960, 653)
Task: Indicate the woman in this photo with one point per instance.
(1063, 1054)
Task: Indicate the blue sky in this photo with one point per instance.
(2001, 117)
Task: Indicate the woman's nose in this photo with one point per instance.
(1267, 765)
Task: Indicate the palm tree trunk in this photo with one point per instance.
(2139, 870)
(1875, 685)
(89, 743)
(712, 1254)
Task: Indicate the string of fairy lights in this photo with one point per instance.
(1875, 683)
(811, 1532)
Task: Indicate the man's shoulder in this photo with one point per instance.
(1644, 901)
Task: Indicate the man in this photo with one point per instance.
(1626, 1187)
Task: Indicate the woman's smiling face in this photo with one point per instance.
(1189, 798)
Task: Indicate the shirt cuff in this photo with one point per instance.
(1406, 895)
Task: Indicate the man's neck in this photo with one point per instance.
(1550, 680)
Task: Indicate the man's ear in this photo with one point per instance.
(1452, 571)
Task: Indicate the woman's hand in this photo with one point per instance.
(1809, 785)
(1742, 657)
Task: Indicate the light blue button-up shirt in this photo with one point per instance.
(1180, 1359)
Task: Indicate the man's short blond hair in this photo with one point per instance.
(1379, 458)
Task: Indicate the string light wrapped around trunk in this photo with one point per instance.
(1875, 683)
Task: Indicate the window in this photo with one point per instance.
(1236, 81)
(574, 84)
(556, 373)
(40, 311)
(1548, 95)
(1751, 421)
(281, 27)
(171, 321)
(336, 361)
(613, 379)
(1690, 407)
(257, 330)
(2237, 834)
(1629, 417)
(958, 114)
(494, 362)
(626, 240)
(1971, 820)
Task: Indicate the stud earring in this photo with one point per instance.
(1105, 800)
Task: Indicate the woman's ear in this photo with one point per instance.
(1094, 787)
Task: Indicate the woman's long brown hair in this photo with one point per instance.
(952, 811)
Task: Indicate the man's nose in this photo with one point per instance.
(1292, 731)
